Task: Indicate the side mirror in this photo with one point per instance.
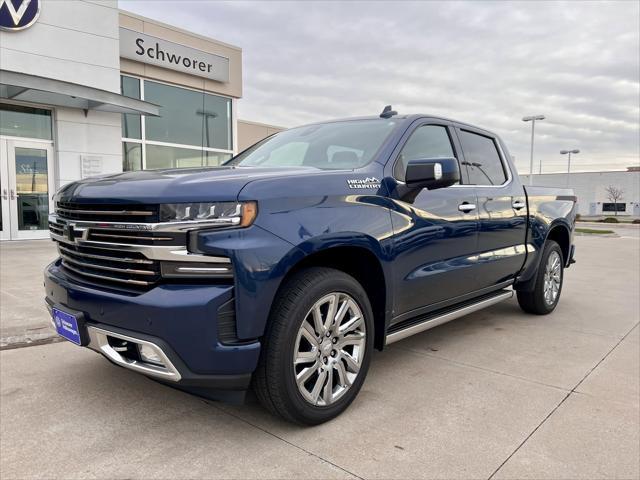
(432, 173)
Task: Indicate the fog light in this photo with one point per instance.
(149, 355)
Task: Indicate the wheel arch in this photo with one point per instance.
(560, 234)
(359, 259)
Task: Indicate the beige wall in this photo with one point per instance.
(166, 32)
(252, 132)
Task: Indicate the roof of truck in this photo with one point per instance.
(409, 117)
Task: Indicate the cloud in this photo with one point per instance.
(486, 63)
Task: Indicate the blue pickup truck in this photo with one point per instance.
(284, 268)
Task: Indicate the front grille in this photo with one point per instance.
(110, 266)
(107, 212)
(56, 228)
(115, 247)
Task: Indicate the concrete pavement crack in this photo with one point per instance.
(283, 439)
(573, 390)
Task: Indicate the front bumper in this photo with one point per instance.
(179, 322)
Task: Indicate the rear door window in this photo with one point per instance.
(482, 159)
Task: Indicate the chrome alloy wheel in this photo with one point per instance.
(552, 278)
(329, 349)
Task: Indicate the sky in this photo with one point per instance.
(484, 63)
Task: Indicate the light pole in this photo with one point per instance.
(569, 152)
(532, 119)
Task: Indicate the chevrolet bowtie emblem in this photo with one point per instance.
(69, 232)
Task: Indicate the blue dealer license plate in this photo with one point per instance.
(67, 326)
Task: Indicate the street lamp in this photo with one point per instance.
(569, 152)
(532, 119)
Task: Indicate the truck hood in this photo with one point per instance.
(175, 185)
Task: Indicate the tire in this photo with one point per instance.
(289, 336)
(545, 295)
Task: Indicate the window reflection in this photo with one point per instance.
(131, 123)
(32, 188)
(131, 156)
(188, 118)
(20, 121)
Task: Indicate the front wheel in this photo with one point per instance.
(545, 295)
(317, 348)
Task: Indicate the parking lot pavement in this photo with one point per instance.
(497, 394)
(23, 316)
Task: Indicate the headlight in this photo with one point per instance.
(240, 214)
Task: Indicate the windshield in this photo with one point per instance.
(328, 146)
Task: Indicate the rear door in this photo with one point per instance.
(435, 234)
(502, 209)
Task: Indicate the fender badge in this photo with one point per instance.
(369, 182)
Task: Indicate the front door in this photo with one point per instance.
(435, 233)
(26, 188)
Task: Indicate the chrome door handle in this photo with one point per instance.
(466, 207)
(518, 204)
(4, 194)
(13, 194)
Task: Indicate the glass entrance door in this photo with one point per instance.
(29, 184)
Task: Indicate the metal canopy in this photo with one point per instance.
(46, 91)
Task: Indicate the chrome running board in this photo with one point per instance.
(447, 317)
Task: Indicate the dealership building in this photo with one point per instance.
(88, 89)
(593, 190)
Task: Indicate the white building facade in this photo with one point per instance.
(591, 190)
(87, 89)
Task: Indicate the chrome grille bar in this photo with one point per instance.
(129, 237)
(105, 257)
(140, 213)
(125, 271)
(112, 279)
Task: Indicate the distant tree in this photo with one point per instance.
(614, 194)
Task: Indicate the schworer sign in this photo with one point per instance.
(155, 51)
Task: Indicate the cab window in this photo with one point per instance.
(482, 159)
(427, 141)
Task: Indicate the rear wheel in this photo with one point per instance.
(317, 348)
(545, 296)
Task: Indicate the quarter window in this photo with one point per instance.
(428, 141)
(482, 159)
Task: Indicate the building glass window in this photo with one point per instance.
(482, 159)
(160, 156)
(614, 207)
(131, 123)
(20, 121)
(131, 156)
(212, 159)
(194, 128)
(217, 122)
